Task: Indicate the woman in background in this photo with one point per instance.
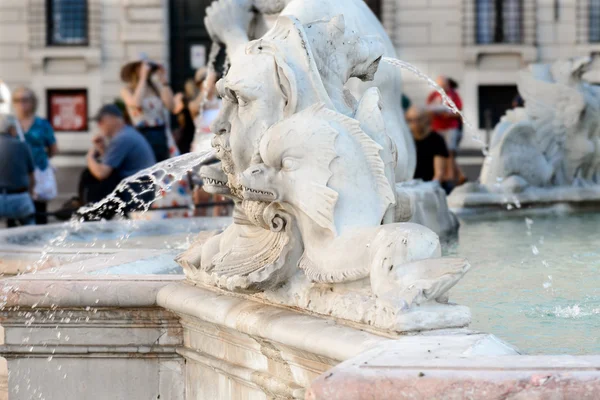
(205, 107)
(184, 133)
(149, 101)
(39, 135)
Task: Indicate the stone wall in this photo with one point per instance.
(120, 30)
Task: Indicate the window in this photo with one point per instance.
(594, 23)
(499, 21)
(67, 22)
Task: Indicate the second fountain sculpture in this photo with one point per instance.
(319, 222)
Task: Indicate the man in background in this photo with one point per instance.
(431, 148)
(16, 176)
(118, 152)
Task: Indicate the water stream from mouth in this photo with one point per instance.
(447, 101)
(156, 179)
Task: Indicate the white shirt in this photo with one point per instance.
(5, 98)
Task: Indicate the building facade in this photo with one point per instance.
(483, 44)
(71, 51)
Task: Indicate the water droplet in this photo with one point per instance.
(534, 250)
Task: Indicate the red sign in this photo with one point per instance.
(67, 110)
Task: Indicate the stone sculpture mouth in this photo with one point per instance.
(214, 180)
(258, 195)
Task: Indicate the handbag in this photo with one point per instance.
(45, 188)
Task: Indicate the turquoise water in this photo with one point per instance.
(162, 264)
(535, 282)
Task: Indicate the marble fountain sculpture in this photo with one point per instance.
(547, 152)
(323, 263)
(322, 53)
(320, 221)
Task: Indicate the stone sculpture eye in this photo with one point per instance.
(289, 164)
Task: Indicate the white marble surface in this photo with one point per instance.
(243, 348)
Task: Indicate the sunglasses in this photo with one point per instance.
(21, 100)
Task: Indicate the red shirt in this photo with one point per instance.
(442, 122)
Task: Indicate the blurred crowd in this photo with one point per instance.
(150, 123)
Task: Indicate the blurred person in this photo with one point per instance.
(518, 101)
(431, 147)
(449, 125)
(118, 152)
(39, 135)
(406, 102)
(184, 133)
(17, 179)
(149, 101)
(5, 96)
(205, 107)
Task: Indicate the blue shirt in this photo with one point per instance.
(39, 137)
(15, 163)
(128, 153)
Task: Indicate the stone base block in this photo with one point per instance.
(241, 348)
(388, 373)
(430, 206)
(475, 199)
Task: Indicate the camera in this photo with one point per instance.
(153, 65)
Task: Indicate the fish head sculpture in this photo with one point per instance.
(322, 164)
(295, 169)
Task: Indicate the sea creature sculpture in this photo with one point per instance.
(311, 159)
(285, 78)
(515, 157)
(555, 139)
(323, 169)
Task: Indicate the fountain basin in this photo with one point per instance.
(534, 281)
(80, 326)
(468, 200)
(124, 319)
(39, 247)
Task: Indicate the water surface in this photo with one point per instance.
(535, 282)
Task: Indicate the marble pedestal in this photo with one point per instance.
(238, 348)
(83, 333)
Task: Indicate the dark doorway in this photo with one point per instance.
(375, 5)
(186, 21)
(494, 100)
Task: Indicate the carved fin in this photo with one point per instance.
(371, 150)
(318, 204)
